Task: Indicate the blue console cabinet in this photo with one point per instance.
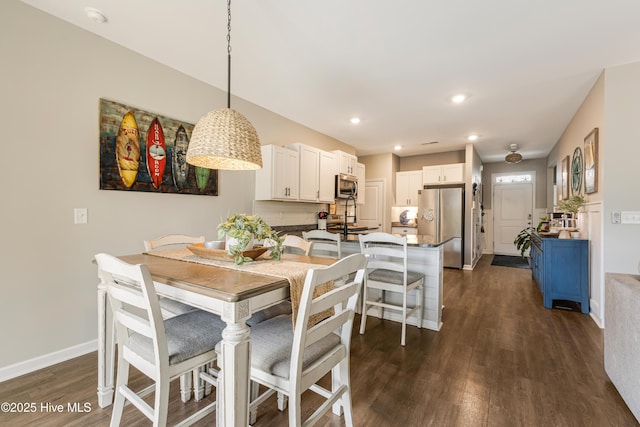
(560, 267)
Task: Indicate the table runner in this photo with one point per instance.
(294, 272)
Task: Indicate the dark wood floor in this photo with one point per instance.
(501, 359)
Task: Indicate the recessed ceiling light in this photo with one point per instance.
(459, 98)
(397, 147)
(95, 15)
(472, 137)
(355, 120)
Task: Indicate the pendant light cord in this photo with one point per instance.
(228, 53)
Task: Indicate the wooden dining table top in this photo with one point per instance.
(221, 283)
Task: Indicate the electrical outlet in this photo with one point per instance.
(80, 216)
(615, 217)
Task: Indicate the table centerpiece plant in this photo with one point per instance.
(244, 228)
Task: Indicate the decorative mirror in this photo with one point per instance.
(577, 166)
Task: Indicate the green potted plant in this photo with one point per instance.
(523, 240)
(572, 204)
(244, 228)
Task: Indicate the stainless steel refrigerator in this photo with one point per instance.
(441, 214)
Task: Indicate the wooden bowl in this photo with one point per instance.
(222, 255)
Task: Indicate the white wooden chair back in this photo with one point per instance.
(130, 287)
(325, 244)
(385, 251)
(343, 299)
(171, 239)
(298, 243)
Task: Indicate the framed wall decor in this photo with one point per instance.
(144, 151)
(591, 162)
(576, 171)
(565, 178)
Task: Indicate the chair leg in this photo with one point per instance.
(345, 400)
(121, 379)
(282, 401)
(404, 319)
(185, 387)
(161, 404)
(198, 384)
(363, 317)
(420, 301)
(254, 390)
(295, 410)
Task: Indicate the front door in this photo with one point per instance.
(371, 214)
(512, 213)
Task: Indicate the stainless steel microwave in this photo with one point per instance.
(346, 186)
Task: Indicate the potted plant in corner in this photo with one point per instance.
(523, 239)
(241, 229)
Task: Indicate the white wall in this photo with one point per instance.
(51, 79)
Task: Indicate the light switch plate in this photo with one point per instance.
(80, 216)
(630, 217)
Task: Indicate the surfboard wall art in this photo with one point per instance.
(156, 153)
(144, 151)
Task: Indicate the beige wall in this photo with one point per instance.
(591, 114)
(52, 77)
(411, 163)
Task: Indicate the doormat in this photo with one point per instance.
(510, 261)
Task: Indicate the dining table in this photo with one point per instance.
(220, 287)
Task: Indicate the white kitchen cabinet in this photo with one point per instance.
(280, 174)
(360, 174)
(407, 186)
(443, 174)
(347, 163)
(317, 174)
(407, 231)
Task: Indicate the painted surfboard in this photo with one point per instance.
(128, 149)
(202, 177)
(156, 152)
(179, 165)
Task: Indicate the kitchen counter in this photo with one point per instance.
(420, 240)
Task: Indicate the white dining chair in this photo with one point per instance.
(296, 245)
(160, 349)
(325, 244)
(170, 308)
(291, 361)
(387, 271)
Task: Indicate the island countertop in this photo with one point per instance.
(420, 240)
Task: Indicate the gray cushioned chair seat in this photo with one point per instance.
(188, 335)
(271, 343)
(279, 309)
(395, 277)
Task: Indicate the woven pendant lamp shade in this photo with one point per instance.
(225, 139)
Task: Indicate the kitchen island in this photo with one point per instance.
(425, 256)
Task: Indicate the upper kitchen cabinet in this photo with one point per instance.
(317, 174)
(280, 174)
(407, 186)
(443, 174)
(347, 163)
(360, 174)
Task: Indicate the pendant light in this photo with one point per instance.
(224, 138)
(513, 157)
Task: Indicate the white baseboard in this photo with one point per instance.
(40, 362)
